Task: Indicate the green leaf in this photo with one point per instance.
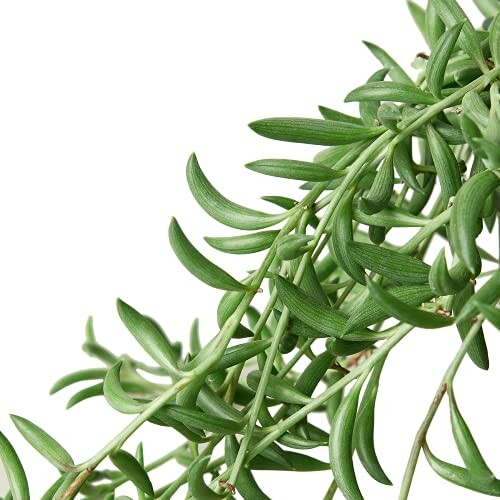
(405, 313)
(390, 91)
(84, 394)
(404, 165)
(396, 72)
(220, 208)
(440, 55)
(338, 116)
(14, 471)
(464, 440)
(488, 8)
(227, 305)
(298, 463)
(46, 445)
(390, 264)
(487, 294)
(278, 388)
(320, 317)
(292, 246)
(197, 486)
(246, 485)
(200, 266)
(477, 351)
(139, 455)
(460, 476)
(369, 312)
(379, 195)
(342, 234)
(294, 169)
(451, 13)
(390, 217)
(465, 213)
(444, 282)
(132, 470)
(200, 420)
(446, 164)
(212, 404)
(116, 396)
(368, 110)
(79, 376)
(239, 353)
(434, 26)
(418, 14)
(341, 442)
(491, 313)
(365, 426)
(161, 417)
(313, 131)
(495, 39)
(194, 338)
(243, 244)
(148, 335)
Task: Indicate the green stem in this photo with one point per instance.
(424, 427)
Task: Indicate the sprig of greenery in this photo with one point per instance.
(422, 154)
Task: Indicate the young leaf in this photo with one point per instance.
(115, 395)
(341, 441)
(379, 195)
(405, 313)
(365, 426)
(14, 471)
(446, 164)
(197, 486)
(244, 244)
(464, 214)
(464, 440)
(440, 55)
(220, 208)
(313, 131)
(293, 169)
(460, 476)
(79, 376)
(390, 264)
(148, 335)
(200, 266)
(133, 470)
(451, 13)
(338, 116)
(46, 445)
(341, 235)
(396, 72)
(278, 389)
(390, 91)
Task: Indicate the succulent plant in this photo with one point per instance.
(423, 156)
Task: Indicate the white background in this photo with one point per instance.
(101, 104)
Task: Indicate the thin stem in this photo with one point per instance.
(424, 427)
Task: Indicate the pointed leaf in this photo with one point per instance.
(79, 376)
(197, 486)
(491, 313)
(200, 266)
(116, 396)
(239, 353)
(46, 445)
(440, 55)
(243, 244)
(220, 208)
(390, 91)
(278, 388)
(396, 72)
(148, 335)
(84, 394)
(405, 313)
(338, 116)
(14, 471)
(404, 165)
(132, 470)
(313, 131)
(293, 169)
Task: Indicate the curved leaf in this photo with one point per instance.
(84, 394)
(115, 395)
(338, 116)
(278, 388)
(132, 470)
(197, 486)
(14, 471)
(200, 266)
(293, 169)
(396, 72)
(390, 91)
(220, 208)
(404, 165)
(79, 376)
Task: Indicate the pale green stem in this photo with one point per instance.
(445, 382)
